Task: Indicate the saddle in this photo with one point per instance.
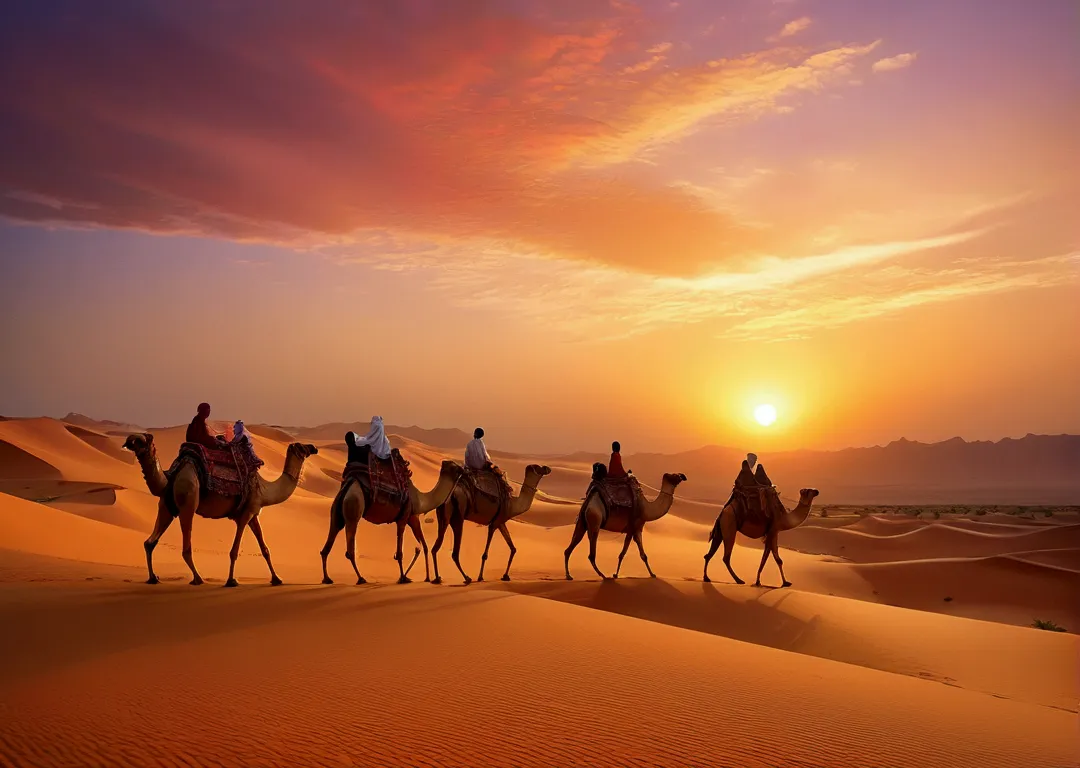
(757, 501)
(490, 482)
(227, 471)
(384, 481)
(618, 493)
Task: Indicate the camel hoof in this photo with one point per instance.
(786, 584)
(276, 582)
(569, 577)
(757, 583)
(152, 580)
(404, 580)
(427, 579)
(468, 580)
(437, 580)
(327, 580)
(360, 581)
(194, 582)
(613, 576)
(506, 577)
(232, 583)
(739, 581)
(706, 579)
(652, 575)
(480, 579)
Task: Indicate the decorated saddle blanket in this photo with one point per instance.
(383, 480)
(488, 482)
(756, 506)
(227, 471)
(617, 492)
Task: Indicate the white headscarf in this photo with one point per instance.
(375, 437)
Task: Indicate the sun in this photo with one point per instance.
(765, 414)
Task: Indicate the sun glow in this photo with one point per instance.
(765, 414)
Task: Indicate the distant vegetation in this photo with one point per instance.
(1049, 626)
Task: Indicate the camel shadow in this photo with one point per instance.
(748, 614)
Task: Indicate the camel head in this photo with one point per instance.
(675, 479)
(536, 472)
(807, 495)
(141, 444)
(302, 450)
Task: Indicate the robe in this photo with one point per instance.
(615, 467)
(199, 432)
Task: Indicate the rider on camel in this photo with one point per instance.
(476, 455)
(199, 432)
(242, 438)
(374, 441)
(615, 467)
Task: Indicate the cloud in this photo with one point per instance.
(900, 61)
(792, 28)
(449, 121)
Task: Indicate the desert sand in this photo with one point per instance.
(903, 642)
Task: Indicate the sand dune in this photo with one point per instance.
(103, 669)
(312, 675)
(929, 541)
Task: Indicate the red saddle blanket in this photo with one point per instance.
(383, 479)
(489, 482)
(617, 492)
(756, 506)
(226, 471)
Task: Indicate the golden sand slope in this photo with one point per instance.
(425, 676)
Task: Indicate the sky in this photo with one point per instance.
(566, 222)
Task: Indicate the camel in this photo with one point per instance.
(185, 497)
(594, 517)
(352, 508)
(727, 524)
(482, 509)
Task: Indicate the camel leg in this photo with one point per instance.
(256, 528)
(728, 534)
(579, 534)
(775, 549)
(440, 516)
(164, 520)
(715, 540)
(457, 523)
(418, 533)
(513, 550)
(331, 537)
(234, 552)
(641, 551)
(625, 548)
(350, 547)
(483, 559)
(764, 559)
(186, 518)
(403, 579)
(594, 534)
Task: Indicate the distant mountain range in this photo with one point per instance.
(1035, 469)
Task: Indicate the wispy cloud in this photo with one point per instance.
(792, 28)
(900, 61)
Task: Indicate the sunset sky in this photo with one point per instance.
(568, 222)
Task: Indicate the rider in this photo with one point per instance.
(243, 438)
(199, 432)
(374, 441)
(476, 455)
(615, 467)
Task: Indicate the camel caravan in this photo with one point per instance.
(217, 478)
